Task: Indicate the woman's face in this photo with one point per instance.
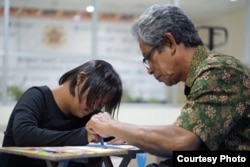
(81, 108)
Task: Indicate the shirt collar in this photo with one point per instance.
(201, 53)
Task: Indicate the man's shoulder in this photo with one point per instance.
(216, 62)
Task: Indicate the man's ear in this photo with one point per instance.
(81, 78)
(172, 42)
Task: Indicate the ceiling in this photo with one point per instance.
(197, 9)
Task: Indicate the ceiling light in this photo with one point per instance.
(90, 9)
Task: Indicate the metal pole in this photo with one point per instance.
(176, 3)
(247, 50)
(5, 50)
(94, 29)
(175, 88)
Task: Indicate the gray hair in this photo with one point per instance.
(162, 18)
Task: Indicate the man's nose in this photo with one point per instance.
(150, 71)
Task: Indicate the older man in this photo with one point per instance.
(216, 114)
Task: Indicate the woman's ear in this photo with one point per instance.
(81, 78)
(172, 42)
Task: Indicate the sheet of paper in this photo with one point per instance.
(67, 149)
(63, 152)
(121, 146)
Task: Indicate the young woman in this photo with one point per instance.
(56, 116)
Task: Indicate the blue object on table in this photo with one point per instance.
(102, 142)
(141, 159)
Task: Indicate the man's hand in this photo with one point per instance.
(116, 141)
(99, 124)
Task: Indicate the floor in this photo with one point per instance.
(116, 161)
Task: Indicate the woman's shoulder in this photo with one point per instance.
(39, 93)
(41, 89)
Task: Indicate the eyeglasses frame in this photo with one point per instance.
(148, 56)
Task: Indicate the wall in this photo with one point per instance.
(235, 22)
(41, 50)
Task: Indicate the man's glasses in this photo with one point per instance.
(147, 56)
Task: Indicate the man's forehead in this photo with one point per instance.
(141, 44)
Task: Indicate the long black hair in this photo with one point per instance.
(101, 81)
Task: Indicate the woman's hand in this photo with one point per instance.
(93, 137)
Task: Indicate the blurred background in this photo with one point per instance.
(42, 39)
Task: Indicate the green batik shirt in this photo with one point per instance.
(218, 101)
